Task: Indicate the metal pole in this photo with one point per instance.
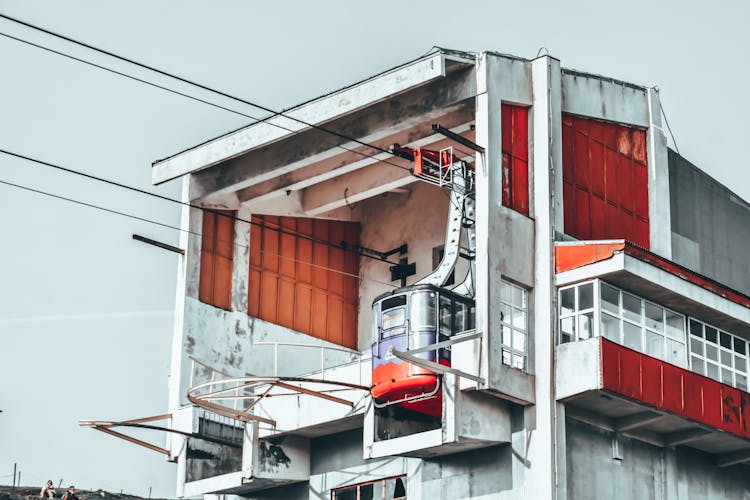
(14, 476)
(322, 363)
(19, 478)
(149, 491)
(276, 360)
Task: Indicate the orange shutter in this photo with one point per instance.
(217, 254)
(301, 279)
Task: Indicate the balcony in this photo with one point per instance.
(622, 390)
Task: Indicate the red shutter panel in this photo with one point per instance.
(217, 258)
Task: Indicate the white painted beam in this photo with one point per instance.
(319, 111)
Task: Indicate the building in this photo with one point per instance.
(607, 354)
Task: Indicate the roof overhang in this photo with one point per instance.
(317, 112)
(654, 278)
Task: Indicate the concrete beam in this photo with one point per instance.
(371, 125)
(346, 163)
(637, 420)
(682, 437)
(318, 111)
(360, 185)
(734, 458)
(606, 423)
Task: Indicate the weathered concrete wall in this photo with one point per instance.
(336, 461)
(710, 225)
(417, 218)
(644, 471)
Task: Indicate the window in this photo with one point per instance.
(514, 319)
(515, 145)
(596, 308)
(217, 254)
(718, 354)
(605, 180)
(301, 279)
(393, 488)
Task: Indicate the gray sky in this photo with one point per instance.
(85, 312)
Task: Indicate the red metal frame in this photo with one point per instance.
(673, 389)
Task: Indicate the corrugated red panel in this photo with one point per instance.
(515, 145)
(299, 279)
(673, 389)
(605, 181)
(217, 256)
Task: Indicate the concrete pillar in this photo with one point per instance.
(489, 248)
(546, 163)
(660, 222)
(241, 261)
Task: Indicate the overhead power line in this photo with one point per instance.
(188, 231)
(171, 200)
(273, 113)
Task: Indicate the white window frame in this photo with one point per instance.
(737, 378)
(511, 354)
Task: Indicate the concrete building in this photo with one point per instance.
(607, 354)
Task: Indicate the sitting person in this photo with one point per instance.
(70, 494)
(48, 490)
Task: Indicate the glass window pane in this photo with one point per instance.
(394, 318)
(567, 330)
(518, 297)
(446, 316)
(346, 494)
(366, 492)
(585, 296)
(740, 364)
(726, 358)
(567, 301)
(505, 315)
(462, 317)
(739, 345)
(507, 335)
(610, 327)
(675, 325)
(712, 371)
(632, 336)
(696, 328)
(518, 362)
(585, 326)
(726, 340)
(697, 365)
(519, 341)
(726, 376)
(506, 357)
(696, 346)
(675, 353)
(711, 334)
(712, 352)
(505, 293)
(610, 299)
(654, 344)
(631, 307)
(654, 316)
(741, 382)
(423, 311)
(519, 319)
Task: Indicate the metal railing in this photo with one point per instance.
(323, 348)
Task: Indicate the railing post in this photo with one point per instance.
(322, 362)
(276, 360)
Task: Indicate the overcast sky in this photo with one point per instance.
(86, 312)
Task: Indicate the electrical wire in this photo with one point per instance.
(273, 113)
(162, 87)
(668, 127)
(188, 231)
(184, 203)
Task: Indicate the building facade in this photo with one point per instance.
(604, 352)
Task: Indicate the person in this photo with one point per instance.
(48, 490)
(70, 494)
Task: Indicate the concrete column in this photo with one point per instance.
(489, 249)
(241, 261)
(660, 222)
(541, 478)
